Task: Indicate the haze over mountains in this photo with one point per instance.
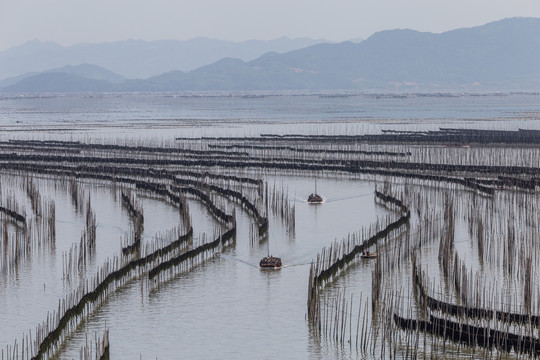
(502, 55)
(137, 59)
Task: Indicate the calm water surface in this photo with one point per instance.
(161, 117)
(225, 307)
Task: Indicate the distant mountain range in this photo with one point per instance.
(502, 55)
(80, 78)
(137, 59)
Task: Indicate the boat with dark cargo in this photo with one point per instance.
(270, 262)
(315, 198)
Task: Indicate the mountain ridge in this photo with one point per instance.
(138, 59)
(501, 55)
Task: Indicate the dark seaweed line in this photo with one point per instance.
(333, 165)
(443, 136)
(130, 206)
(132, 247)
(332, 270)
(133, 159)
(291, 163)
(229, 234)
(220, 214)
(92, 296)
(388, 198)
(317, 277)
(472, 335)
(35, 148)
(156, 188)
(90, 172)
(54, 335)
(314, 151)
(508, 181)
(219, 176)
(160, 189)
(326, 274)
(471, 312)
(467, 182)
(14, 215)
(138, 220)
(149, 149)
(163, 173)
(261, 220)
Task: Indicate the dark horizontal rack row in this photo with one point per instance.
(13, 215)
(312, 151)
(15, 161)
(228, 235)
(442, 136)
(472, 335)
(347, 258)
(470, 312)
(357, 166)
(139, 149)
(138, 220)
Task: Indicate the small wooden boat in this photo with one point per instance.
(368, 255)
(315, 198)
(270, 262)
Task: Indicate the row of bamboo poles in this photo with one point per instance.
(158, 263)
(330, 320)
(132, 241)
(467, 311)
(99, 349)
(498, 207)
(485, 178)
(22, 235)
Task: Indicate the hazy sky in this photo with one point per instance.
(72, 21)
